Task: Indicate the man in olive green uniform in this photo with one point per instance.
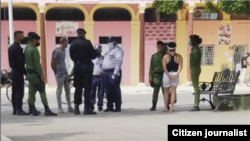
(35, 75)
(156, 73)
(195, 66)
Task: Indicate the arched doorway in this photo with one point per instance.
(21, 16)
(112, 21)
(158, 26)
(61, 22)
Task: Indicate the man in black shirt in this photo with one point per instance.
(244, 65)
(16, 62)
(82, 52)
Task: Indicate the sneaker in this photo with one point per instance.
(71, 110)
(60, 111)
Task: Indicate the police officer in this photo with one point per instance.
(16, 62)
(195, 67)
(82, 52)
(112, 75)
(35, 75)
(97, 82)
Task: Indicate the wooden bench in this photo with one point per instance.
(222, 85)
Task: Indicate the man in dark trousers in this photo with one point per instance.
(112, 75)
(82, 52)
(16, 62)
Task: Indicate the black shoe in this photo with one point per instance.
(117, 110)
(48, 112)
(194, 109)
(108, 110)
(77, 111)
(153, 108)
(14, 112)
(100, 108)
(33, 108)
(21, 113)
(89, 112)
(168, 107)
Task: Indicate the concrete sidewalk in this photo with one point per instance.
(4, 138)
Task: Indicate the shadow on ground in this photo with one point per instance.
(52, 137)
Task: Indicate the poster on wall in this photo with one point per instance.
(66, 28)
(224, 34)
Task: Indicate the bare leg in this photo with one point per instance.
(165, 96)
(173, 95)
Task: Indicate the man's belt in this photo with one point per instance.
(97, 76)
(159, 73)
(30, 71)
(109, 70)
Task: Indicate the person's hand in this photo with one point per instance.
(169, 77)
(150, 80)
(174, 77)
(42, 79)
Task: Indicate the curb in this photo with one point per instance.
(4, 138)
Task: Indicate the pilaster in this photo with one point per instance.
(89, 28)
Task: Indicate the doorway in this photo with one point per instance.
(238, 52)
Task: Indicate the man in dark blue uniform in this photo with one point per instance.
(111, 67)
(97, 82)
(17, 63)
(82, 52)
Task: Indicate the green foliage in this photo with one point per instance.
(228, 6)
(168, 6)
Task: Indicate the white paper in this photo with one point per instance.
(229, 59)
(226, 53)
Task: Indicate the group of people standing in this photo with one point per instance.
(91, 71)
(165, 67)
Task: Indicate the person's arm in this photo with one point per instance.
(72, 51)
(119, 56)
(151, 68)
(38, 67)
(53, 61)
(20, 59)
(93, 53)
(180, 65)
(196, 57)
(165, 61)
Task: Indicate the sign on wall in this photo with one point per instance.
(66, 28)
(224, 34)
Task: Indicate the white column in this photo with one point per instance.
(11, 32)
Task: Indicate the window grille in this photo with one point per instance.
(207, 58)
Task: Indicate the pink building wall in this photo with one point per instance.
(17, 25)
(50, 46)
(150, 49)
(117, 29)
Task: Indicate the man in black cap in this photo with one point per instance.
(35, 75)
(16, 62)
(82, 52)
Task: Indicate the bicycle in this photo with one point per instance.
(8, 83)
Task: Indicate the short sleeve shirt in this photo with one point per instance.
(59, 56)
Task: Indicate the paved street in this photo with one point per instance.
(134, 123)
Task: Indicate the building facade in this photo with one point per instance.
(138, 27)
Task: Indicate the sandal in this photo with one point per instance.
(172, 111)
(166, 110)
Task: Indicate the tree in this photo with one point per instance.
(228, 6)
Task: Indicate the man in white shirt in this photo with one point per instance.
(112, 74)
(97, 82)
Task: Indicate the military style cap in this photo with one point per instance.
(33, 35)
(81, 30)
(112, 39)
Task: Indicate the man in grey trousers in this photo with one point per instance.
(58, 65)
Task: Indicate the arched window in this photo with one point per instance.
(240, 17)
(151, 15)
(64, 14)
(19, 14)
(112, 14)
(200, 14)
